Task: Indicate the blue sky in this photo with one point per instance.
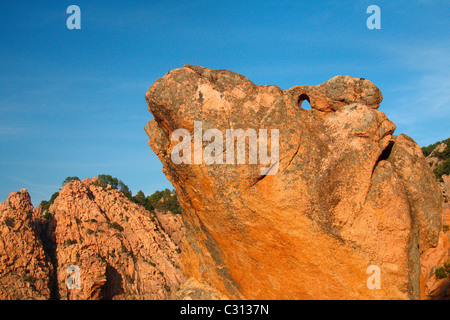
(72, 101)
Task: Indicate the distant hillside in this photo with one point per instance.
(438, 156)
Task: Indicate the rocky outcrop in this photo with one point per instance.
(436, 258)
(171, 224)
(445, 186)
(435, 161)
(119, 248)
(25, 270)
(194, 290)
(345, 193)
(92, 243)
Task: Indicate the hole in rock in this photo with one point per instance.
(113, 285)
(301, 102)
(384, 154)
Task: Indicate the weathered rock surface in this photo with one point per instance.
(121, 251)
(172, 225)
(435, 258)
(434, 161)
(445, 186)
(119, 248)
(194, 290)
(24, 267)
(348, 193)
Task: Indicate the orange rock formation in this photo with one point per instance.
(348, 194)
(120, 249)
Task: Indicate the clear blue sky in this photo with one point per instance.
(72, 101)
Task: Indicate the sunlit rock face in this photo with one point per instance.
(345, 193)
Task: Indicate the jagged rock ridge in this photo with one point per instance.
(122, 252)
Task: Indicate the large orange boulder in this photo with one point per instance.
(345, 204)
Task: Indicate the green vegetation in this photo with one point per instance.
(9, 222)
(68, 179)
(165, 200)
(444, 157)
(116, 226)
(440, 273)
(447, 266)
(47, 215)
(443, 168)
(427, 150)
(69, 242)
(46, 204)
(444, 271)
(105, 179)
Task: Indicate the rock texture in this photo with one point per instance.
(445, 186)
(194, 290)
(436, 258)
(348, 193)
(25, 270)
(120, 249)
(172, 225)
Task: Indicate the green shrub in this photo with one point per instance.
(443, 168)
(46, 204)
(440, 273)
(68, 179)
(89, 231)
(70, 242)
(47, 215)
(427, 150)
(104, 179)
(447, 266)
(9, 222)
(444, 157)
(165, 200)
